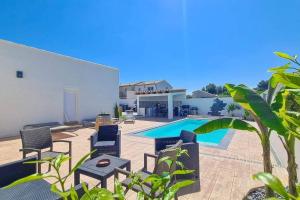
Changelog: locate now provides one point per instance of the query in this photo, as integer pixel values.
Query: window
(150, 88)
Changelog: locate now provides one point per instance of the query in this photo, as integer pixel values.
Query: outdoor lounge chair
(129, 117)
(38, 139)
(106, 141)
(191, 162)
(34, 190)
(159, 168)
(88, 122)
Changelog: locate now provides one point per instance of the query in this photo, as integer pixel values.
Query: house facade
(38, 86)
(126, 90)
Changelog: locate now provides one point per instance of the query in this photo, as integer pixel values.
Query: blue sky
(190, 43)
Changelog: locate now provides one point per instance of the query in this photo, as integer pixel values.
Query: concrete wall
(204, 104)
(39, 96)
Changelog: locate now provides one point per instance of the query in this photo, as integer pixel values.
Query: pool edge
(224, 143)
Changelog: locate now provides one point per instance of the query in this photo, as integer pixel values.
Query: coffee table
(90, 169)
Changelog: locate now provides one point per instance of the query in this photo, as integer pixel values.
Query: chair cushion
(104, 143)
(50, 154)
(107, 132)
(187, 136)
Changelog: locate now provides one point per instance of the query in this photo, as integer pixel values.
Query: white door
(70, 106)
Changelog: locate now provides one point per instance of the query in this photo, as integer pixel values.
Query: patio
(225, 174)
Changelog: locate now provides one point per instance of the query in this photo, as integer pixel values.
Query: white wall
(38, 97)
(280, 152)
(204, 104)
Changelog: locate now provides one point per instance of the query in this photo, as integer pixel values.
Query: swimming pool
(174, 129)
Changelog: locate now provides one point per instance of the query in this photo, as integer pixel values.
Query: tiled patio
(225, 174)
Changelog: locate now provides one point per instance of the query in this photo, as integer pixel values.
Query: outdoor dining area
(105, 161)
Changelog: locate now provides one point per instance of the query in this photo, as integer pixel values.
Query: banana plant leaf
(225, 123)
(257, 106)
(290, 80)
(285, 101)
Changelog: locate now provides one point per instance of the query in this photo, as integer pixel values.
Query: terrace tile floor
(225, 174)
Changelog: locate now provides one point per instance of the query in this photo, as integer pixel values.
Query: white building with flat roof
(38, 86)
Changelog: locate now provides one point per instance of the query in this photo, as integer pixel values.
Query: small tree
(217, 106)
(117, 111)
(211, 88)
(219, 89)
(231, 108)
(262, 85)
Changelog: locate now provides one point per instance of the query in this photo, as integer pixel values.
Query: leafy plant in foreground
(158, 183)
(260, 111)
(59, 180)
(285, 82)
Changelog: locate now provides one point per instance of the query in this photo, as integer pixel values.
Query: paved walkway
(225, 174)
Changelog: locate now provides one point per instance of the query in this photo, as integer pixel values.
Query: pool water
(174, 129)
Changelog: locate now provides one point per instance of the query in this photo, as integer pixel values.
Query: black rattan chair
(13, 171)
(34, 190)
(106, 141)
(190, 162)
(159, 168)
(38, 139)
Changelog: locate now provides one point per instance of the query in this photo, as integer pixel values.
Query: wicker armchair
(38, 139)
(190, 162)
(13, 171)
(159, 169)
(34, 190)
(106, 141)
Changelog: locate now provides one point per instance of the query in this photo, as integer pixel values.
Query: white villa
(38, 86)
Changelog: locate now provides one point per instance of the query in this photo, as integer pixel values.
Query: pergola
(170, 96)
